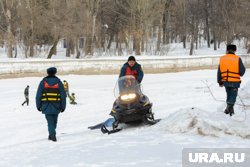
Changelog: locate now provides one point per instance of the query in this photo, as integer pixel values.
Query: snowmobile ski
(152, 122)
(108, 123)
(105, 130)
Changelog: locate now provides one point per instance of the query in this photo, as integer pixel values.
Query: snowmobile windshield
(127, 85)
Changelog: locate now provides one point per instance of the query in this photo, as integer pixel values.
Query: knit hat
(131, 58)
(231, 47)
(51, 71)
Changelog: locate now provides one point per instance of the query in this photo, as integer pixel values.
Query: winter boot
(52, 137)
(231, 110)
(227, 110)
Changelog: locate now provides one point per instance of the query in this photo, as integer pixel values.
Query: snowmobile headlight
(131, 95)
(128, 97)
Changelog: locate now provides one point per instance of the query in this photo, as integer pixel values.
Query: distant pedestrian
(66, 87)
(26, 95)
(229, 72)
(51, 100)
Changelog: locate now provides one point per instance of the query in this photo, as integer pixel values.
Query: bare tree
(8, 9)
(110, 25)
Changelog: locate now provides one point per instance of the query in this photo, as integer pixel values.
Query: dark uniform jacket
(46, 105)
(136, 71)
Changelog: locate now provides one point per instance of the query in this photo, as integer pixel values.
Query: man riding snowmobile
(131, 104)
(131, 67)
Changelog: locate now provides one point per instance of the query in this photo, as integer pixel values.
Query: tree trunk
(53, 49)
(215, 37)
(9, 35)
(207, 23)
(196, 35)
(184, 25)
(72, 46)
(192, 37)
(165, 22)
(110, 40)
(26, 51)
(191, 46)
(116, 41)
(245, 43)
(137, 41)
(88, 45)
(164, 28)
(9, 47)
(31, 41)
(158, 40)
(143, 41)
(31, 49)
(15, 50)
(78, 53)
(137, 46)
(184, 41)
(215, 42)
(67, 47)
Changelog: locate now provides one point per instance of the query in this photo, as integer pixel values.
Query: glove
(62, 110)
(221, 84)
(39, 109)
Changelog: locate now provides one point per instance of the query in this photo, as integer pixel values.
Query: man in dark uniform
(51, 100)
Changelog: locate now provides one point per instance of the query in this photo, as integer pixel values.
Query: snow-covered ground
(191, 118)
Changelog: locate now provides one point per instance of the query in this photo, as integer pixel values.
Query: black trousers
(26, 101)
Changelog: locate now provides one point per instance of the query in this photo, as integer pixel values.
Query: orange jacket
(65, 85)
(229, 68)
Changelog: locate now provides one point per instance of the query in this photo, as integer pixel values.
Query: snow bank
(244, 94)
(110, 66)
(210, 120)
(201, 122)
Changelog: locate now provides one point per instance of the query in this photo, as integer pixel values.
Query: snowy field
(191, 118)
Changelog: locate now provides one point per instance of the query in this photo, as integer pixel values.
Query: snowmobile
(130, 106)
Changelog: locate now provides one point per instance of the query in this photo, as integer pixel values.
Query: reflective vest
(229, 68)
(131, 72)
(50, 93)
(65, 85)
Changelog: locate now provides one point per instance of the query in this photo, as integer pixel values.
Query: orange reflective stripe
(229, 67)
